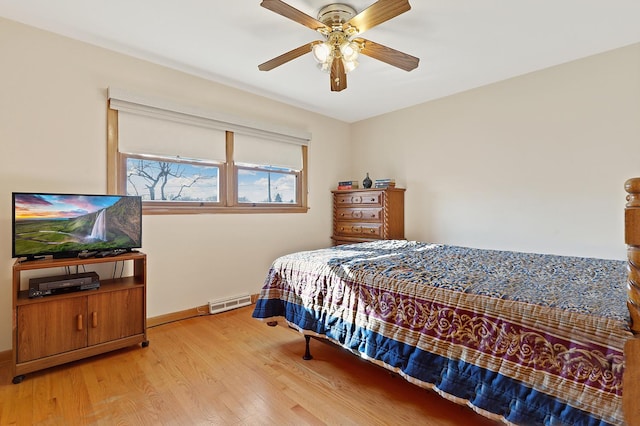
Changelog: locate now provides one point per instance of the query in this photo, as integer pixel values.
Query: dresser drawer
(373, 198)
(366, 230)
(346, 213)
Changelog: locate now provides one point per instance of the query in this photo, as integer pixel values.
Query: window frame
(228, 181)
(122, 184)
(265, 169)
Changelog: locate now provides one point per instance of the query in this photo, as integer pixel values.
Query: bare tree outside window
(166, 180)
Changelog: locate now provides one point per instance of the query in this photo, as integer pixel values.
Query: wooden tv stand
(60, 328)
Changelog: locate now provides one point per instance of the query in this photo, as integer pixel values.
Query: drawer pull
(94, 319)
(79, 322)
(373, 200)
(372, 231)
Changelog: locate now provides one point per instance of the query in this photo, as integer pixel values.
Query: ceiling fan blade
(388, 55)
(286, 57)
(377, 13)
(338, 76)
(292, 13)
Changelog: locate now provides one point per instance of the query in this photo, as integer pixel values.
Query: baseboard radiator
(221, 305)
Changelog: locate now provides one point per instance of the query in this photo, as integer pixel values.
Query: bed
(525, 338)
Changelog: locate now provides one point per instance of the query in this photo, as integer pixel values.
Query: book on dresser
(372, 214)
(384, 183)
(348, 184)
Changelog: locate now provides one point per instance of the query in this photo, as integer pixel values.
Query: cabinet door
(51, 327)
(116, 314)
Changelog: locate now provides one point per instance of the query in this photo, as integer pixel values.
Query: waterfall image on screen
(71, 223)
(99, 230)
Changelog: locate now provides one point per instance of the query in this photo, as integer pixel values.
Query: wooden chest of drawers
(367, 215)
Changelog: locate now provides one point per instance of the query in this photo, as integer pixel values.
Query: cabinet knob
(94, 319)
(79, 322)
(373, 200)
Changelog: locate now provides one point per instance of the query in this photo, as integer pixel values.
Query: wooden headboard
(631, 379)
(632, 239)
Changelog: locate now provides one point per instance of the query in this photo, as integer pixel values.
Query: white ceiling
(461, 44)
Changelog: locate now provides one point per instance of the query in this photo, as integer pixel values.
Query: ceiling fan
(340, 26)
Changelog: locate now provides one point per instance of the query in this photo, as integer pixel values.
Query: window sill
(158, 210)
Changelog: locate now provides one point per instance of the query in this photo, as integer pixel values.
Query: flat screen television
(65, 225)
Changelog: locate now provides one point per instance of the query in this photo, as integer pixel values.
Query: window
(172, 179)
(267, 185)
(182, 160)
(267, 172)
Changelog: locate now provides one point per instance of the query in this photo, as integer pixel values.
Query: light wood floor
(225, 369)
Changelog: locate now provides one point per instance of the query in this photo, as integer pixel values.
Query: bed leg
(307, 353)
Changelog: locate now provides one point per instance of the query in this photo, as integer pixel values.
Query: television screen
(64, 225)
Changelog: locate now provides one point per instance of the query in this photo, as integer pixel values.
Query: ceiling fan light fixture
(321, 52)
(340, 26)
(325, 66)
(349, 65)
(350, 50)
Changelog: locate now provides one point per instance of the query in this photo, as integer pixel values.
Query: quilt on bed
(530, 339)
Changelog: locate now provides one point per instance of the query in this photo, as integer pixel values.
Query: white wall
(53, 138)
(534, 163)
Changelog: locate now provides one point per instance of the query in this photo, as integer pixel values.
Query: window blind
(125, 101)
(267, 152)
(143, 134)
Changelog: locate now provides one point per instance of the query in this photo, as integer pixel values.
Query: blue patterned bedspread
(530, 339)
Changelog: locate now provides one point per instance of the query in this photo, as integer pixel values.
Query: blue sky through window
(254, 185)
(184, 181)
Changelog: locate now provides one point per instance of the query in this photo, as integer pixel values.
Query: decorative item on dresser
(367, 215)
(366, 183)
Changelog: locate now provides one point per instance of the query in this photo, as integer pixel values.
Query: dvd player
(45, 286)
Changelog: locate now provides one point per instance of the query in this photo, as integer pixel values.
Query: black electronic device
(87, 254)
(66, 225)
(46, 286)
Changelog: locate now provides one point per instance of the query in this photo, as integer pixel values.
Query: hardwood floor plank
(19, 406)
(224, 369)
